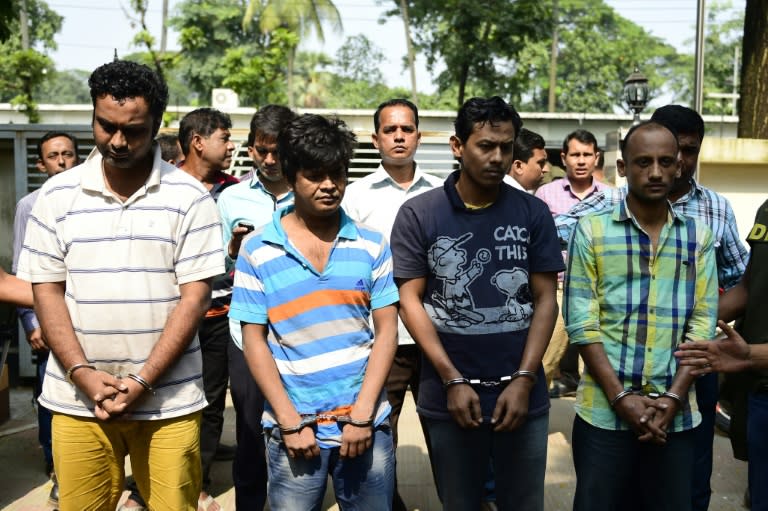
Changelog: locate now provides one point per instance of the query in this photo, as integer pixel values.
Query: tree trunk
(753, 106)
(164, 29)
(24, 25)
(289, 80)
(411, 53)
(552, 95)
(463, 77)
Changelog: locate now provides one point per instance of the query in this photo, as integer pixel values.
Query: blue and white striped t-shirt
(319, 330)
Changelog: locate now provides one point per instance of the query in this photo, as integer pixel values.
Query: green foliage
(179, 92)
(301, 16)
(8, 12)
(22, 72)
(260, 78)
(65, 87)
(724, 33)
(597, 50)
(359, 59)
(478, 41)
(207, 30)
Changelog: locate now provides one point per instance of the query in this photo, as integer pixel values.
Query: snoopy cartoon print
(514, 284)
(448, 260)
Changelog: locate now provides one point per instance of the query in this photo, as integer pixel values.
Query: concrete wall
(738, 169)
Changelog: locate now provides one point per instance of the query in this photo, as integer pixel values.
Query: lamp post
(636, 93)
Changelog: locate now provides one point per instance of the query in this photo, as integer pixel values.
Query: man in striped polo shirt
(121, 254)
(306, 285)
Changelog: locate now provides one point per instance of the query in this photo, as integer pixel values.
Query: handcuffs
(500, 382)
(310, 419)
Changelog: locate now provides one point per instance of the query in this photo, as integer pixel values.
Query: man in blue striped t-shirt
(306, 285)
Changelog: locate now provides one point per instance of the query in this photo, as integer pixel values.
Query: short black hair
(169, 146)
(123, 79)
(484, 110)
(268, 121)
(314, 142)
(526, 142)
(56, 134)
(203, 122)
(681, 119)
(644, 125)
(583, 136)
(394, 102)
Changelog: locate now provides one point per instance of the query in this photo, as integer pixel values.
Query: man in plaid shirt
(640, 279)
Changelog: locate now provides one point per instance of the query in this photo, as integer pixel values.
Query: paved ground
(24, 486)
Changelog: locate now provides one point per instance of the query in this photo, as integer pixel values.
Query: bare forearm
(542, 322)
(15, 290)
(423, 332)
(733, 302)
(380, 360)
(758, 354)
(180, 329)
(264, 371)
(56, 324)
(682, 381)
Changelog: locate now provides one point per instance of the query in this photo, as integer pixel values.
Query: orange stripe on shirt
(318, 299)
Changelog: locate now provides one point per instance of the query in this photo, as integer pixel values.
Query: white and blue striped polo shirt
(319, 331)
(123, 263)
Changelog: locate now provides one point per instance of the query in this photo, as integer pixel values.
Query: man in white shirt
(121, 254)
(530, 163)
(375, 200)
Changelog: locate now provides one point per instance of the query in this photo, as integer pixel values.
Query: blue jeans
(616, 472)
(707, 390)
(757, 445)
(363, 483)
(461, 458)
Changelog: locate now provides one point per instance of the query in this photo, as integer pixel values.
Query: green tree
(8, 12)
(597, 49)
(179, 91)
(724, 27)
(359, 58)
(260, 78)
(65, 87)
(207, 30)
(22, 71)
(753, 106)
(478, 42)
(315, 83)
(158, 59)
(299, 16)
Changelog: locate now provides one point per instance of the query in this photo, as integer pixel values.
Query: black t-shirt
(754, 328)
(477, 263)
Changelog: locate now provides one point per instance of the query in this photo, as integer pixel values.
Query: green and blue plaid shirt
(638, 304)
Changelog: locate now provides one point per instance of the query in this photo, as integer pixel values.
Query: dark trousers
(249, 469)
(405, 372)
(616, 472)
(704, 435)
(43, 414)
(214, 342)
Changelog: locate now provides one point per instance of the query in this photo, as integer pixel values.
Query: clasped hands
(112, 396)
(649, 418)
(511, 409)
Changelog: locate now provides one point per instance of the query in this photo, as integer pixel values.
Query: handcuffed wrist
(455, 381)
(618, 397)
(71, 371)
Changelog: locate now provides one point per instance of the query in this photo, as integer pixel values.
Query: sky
(92, 29)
